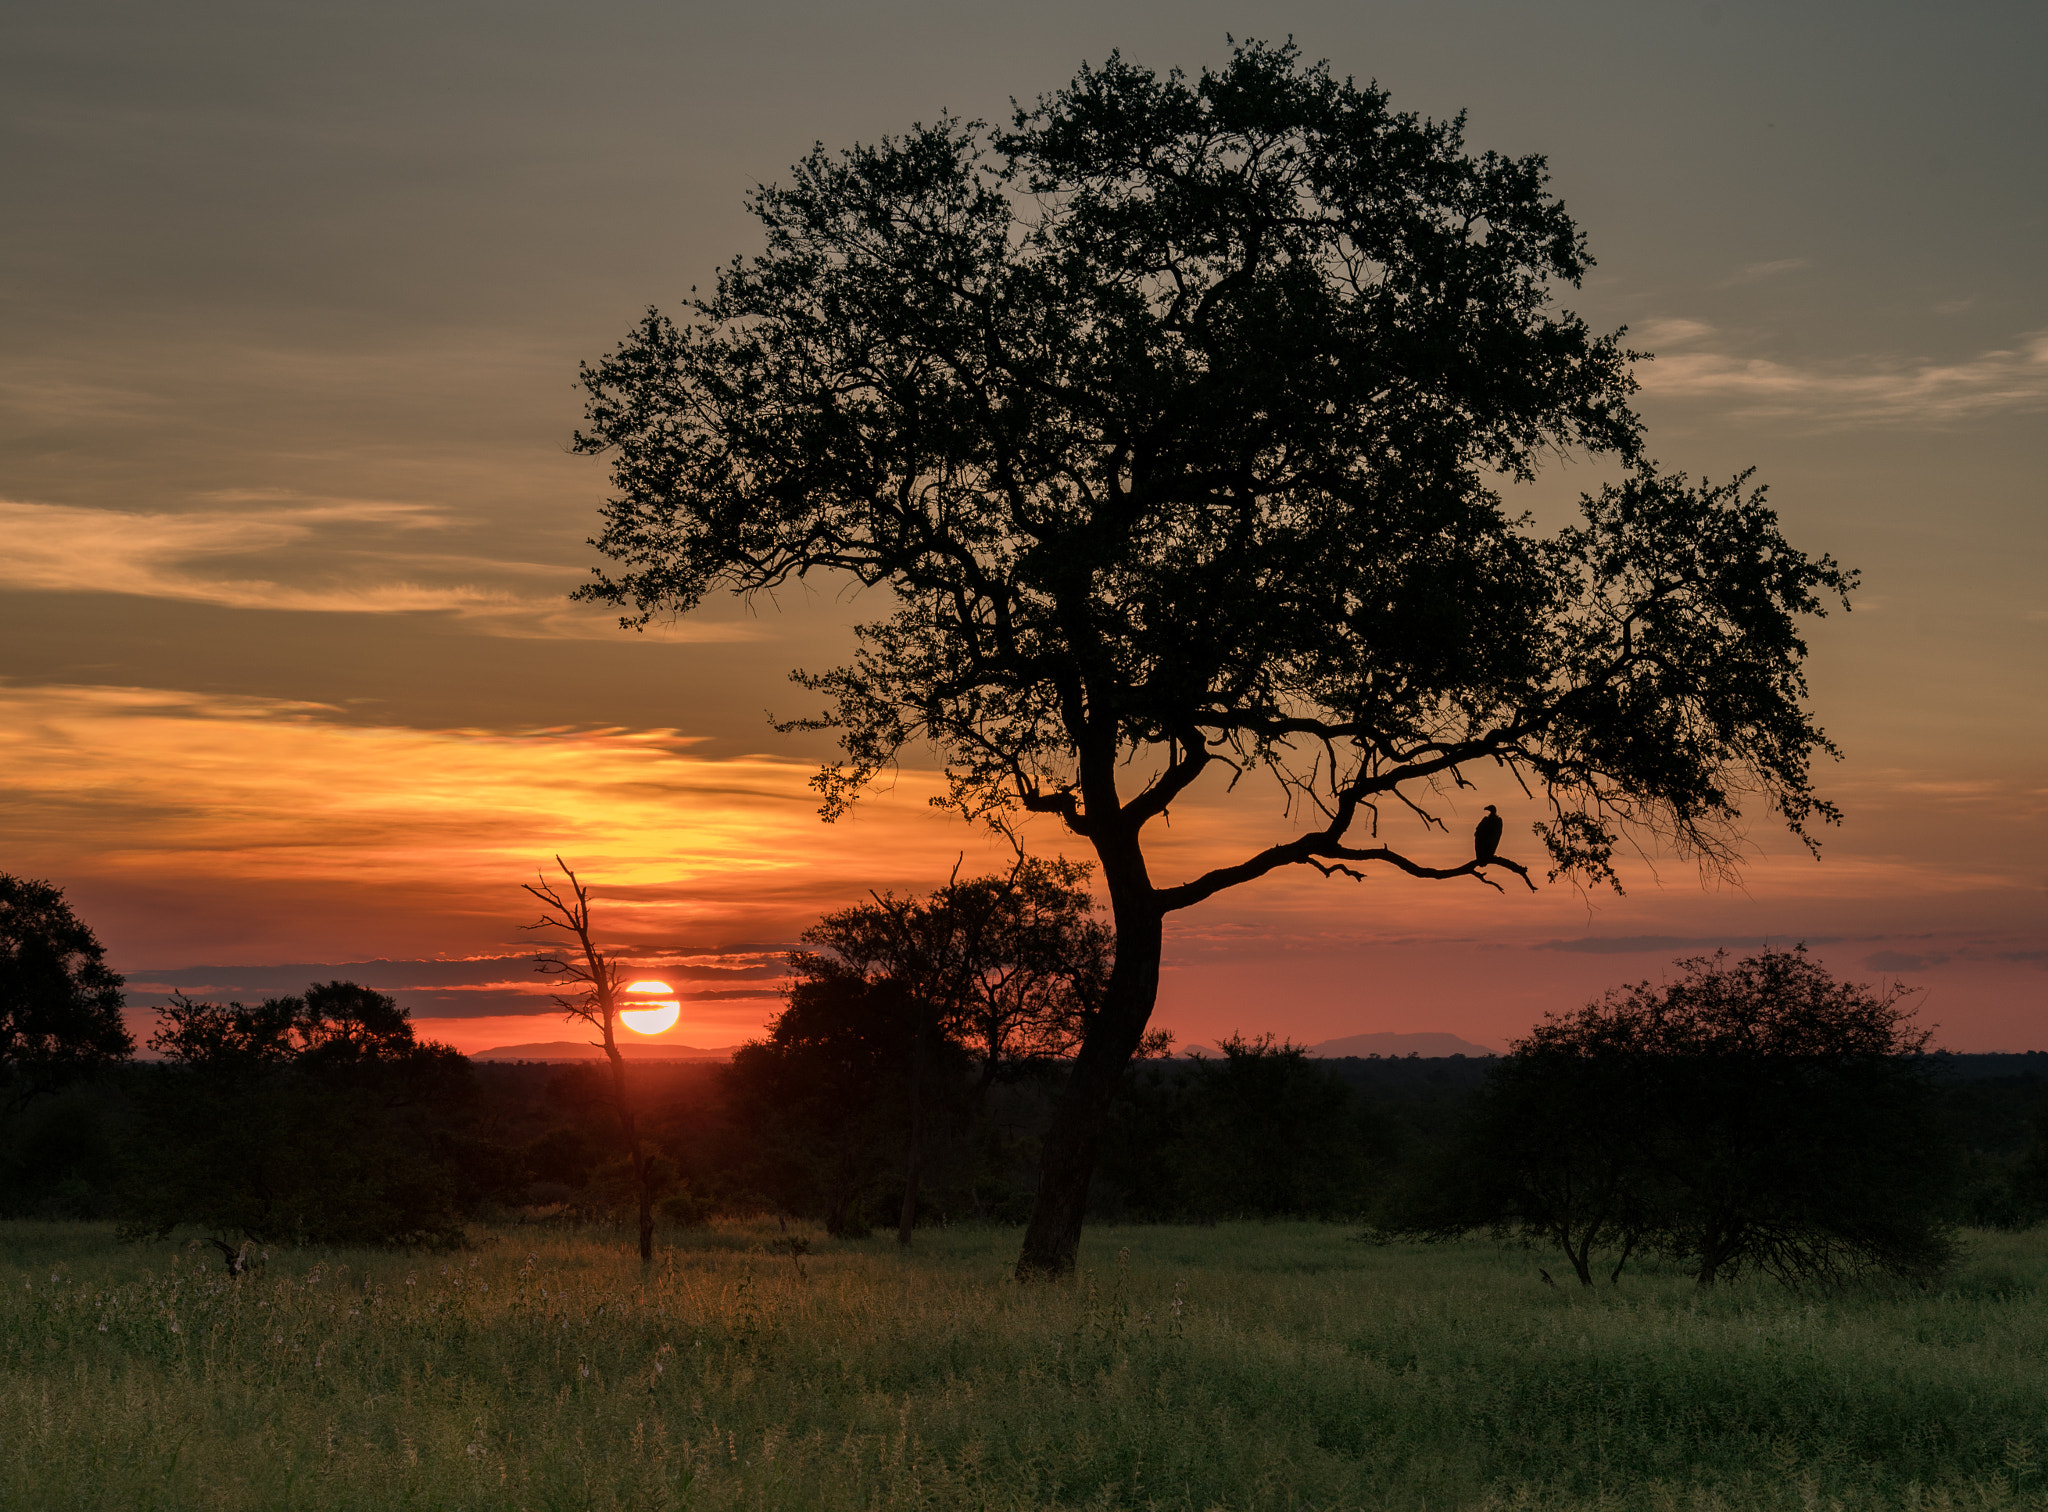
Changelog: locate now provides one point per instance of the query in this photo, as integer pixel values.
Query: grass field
(1245, 1366)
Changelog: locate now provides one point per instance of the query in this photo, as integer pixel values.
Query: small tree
(1755, 1114)
(1172, 420)
(998, 968)
(60, 1004)
(824, 1098)
(301, 1119)
(601, 980)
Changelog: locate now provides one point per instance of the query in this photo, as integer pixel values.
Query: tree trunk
(913, 1159)
(1713, 1255)
(1628, 1248)
(1067, 1164)
(1582, 1258)
(637, 1158)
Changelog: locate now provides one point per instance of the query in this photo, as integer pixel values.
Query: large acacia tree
(1173, 421)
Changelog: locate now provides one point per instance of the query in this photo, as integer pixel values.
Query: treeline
(1261, 1131)
(1745, 1115)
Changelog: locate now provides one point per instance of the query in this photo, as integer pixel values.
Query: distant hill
(574, 1050)
(1388, 1045)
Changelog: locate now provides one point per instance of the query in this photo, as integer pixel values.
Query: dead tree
(596, 1004)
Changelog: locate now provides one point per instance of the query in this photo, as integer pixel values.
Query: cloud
(266, 830)
(474, 986)
(1758, 271)
(329, 556)
(1873, 390)
(1904, 960)
(1646, 944)
(59, 547)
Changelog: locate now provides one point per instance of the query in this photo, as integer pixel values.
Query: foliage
(61, 1157)
(1261, 1131)
(825, 1097)
(1171, 417)
(900, 1018)
(60, 1004)
(1748, 1114)
(2027, 1193)
(314, 1119)
(1117, 400)
(1007, 968)
(1257, 1367)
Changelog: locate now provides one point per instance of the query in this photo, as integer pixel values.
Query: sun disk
(652, 1009)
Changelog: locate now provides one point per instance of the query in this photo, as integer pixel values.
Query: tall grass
(1246, 1366)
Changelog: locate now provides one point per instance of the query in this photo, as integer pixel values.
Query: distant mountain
(1398, 1044)
(573, 1050)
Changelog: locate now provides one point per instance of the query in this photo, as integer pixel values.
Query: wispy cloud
(1652, 944)
(335, 556)
(1757, 272)
(1692, 363)
(257, 829)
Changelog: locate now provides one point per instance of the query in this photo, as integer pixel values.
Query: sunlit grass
(1246, 1366)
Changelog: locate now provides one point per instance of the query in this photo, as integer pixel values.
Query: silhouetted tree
(991, 970)
(597, 1004)
(1552, 1149)
(824, 1098)
(1755, 1114)
(301, 1119)
(60, 1004)
(1171, 418)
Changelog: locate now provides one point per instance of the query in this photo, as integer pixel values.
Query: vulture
(1486, 838)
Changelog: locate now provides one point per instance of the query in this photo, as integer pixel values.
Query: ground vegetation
(1258, 1367)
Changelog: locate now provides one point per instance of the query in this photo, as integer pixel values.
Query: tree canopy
(1174, 418)
(906, 1009)
(314, 1118)
(60, 1003)
(1008, 967)
(1753, 1114)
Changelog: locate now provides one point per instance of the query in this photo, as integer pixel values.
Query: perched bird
(1486, 838)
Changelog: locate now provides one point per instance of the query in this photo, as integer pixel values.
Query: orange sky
(288, 677)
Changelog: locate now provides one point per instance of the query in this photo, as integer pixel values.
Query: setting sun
(655, 1010)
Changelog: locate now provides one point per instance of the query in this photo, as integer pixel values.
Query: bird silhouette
(1486, 838)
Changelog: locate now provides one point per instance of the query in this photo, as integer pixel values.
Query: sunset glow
(292, 687)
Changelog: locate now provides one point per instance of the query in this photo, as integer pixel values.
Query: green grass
(1246, 1366)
